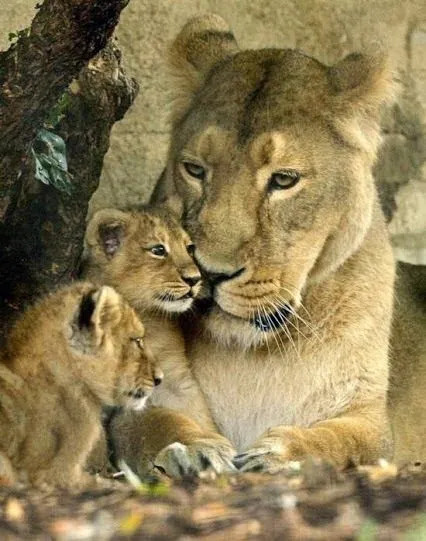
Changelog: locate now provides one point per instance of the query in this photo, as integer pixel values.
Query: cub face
(146, 256)
(108, 350)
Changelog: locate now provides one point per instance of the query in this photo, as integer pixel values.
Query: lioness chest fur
(309, 375)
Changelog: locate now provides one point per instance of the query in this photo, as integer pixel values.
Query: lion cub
(147, 256)
(73, 351)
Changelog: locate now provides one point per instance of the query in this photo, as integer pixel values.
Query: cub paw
(178, 460)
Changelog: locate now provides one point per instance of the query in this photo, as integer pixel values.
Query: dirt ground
(314, 503)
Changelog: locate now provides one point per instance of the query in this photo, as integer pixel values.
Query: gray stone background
(327, 29)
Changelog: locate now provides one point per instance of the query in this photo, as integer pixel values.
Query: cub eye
(138, 340)
(159, 250)
(283, 180)
(191, 249)
(195, 170)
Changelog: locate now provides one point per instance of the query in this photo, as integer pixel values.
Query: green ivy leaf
(57, 113)
(25, 32)
(49, 153)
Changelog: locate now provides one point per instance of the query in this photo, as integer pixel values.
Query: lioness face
(261, 215)
(272, 161)
(147, 257)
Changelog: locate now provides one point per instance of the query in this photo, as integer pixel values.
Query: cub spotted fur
(271, 158)
(75, 350)
(147, 257)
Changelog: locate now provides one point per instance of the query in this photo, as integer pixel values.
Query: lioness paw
(278, 450)
(264, 462)
(178, 460)
(267, 456)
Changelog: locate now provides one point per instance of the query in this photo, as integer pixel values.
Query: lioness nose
(192, 280)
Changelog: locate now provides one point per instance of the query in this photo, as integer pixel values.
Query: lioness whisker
(296, 327)
(261, 309)
(298, 331)
(307, 324)
(283, 326)
(256, 312)
(288, 289)
(310, 327)
(276, 336)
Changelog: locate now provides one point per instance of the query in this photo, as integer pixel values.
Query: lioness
(75, 350)
(147, 256)
(271, 158)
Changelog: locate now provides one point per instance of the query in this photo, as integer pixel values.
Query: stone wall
(326, 29)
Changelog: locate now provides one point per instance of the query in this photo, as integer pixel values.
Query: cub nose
(157, 377)
(192, 280)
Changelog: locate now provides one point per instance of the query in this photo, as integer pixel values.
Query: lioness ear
(107, 229)
(98, 309)
(203, 42)
(361, 84)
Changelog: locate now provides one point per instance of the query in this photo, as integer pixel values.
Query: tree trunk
(42, 227)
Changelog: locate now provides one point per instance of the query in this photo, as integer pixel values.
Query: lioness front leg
(172, 442)
(354, 438)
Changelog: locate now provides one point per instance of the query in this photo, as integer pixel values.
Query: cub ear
(203, 42)
(362, 84)
(85, 311)
(99, 309)
(107, 229)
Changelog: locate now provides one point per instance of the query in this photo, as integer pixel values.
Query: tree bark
(41, 228)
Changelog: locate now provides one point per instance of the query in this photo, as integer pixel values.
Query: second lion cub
(147, 257)
(74, 351)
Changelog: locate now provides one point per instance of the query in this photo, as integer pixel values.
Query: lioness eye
(191, 249)
(159, 250)
(283, 180)
(195, 170)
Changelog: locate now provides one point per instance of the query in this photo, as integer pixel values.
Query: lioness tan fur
(75, 350)
(146, 256)
(407, 390)
(271, 158)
